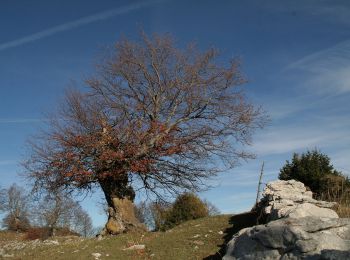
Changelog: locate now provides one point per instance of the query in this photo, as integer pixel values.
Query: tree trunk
(119, 196)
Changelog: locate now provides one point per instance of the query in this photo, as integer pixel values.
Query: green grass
(198, 239)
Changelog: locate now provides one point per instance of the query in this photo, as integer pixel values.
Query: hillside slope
(197, 239)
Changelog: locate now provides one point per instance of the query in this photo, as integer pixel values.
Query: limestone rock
(299, 227)
(291, 199)
(96, 255)
(290, 238)
(136, 247)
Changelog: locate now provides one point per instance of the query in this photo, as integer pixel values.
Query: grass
(197, 239)
(343, 211)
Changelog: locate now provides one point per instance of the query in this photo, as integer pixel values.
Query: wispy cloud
(328, 70)
(331, 11)
(75, 24)
(22, 120)
(8, 162)
(308, 133)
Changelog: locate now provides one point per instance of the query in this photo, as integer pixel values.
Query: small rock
(135, 247)
(220, 233)
(198, 242)
(96, 255)
(7, 256)
(51, 242)
(195, 236)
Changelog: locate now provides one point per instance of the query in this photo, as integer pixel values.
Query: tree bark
(119, 196)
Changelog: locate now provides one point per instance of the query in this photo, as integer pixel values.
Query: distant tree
(186, 207)
(312, 168)
(153, 117)
(212, 209)
(141, 211)
(19, 224)
(157, 214)
(57, 210)
(2, 199)
(82, 222)
(15, 206)
(152, 214)
(160, 215)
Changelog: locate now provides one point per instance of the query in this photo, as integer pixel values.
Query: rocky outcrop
(298, 227)
(291, 199)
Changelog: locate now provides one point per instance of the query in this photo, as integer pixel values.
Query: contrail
(22, 120)
(74, 24)
(8, 162)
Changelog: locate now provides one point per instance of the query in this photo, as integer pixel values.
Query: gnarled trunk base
(121, 209)
(121, 217)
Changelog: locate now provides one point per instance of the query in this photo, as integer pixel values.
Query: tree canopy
(16, 208)
(186, 207)
(153, 117)
(312, 168)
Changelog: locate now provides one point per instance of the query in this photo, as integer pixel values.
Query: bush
(186, 207)
(316, 172)
(311, 168)
(44, 233)
(161, 215)
(18, 224)
(38, 233)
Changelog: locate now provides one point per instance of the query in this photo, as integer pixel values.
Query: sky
(295, 55)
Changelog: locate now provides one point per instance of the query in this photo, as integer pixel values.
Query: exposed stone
(291, 199)
(96, 255)
(291, 238)
(136, 247)
(51, 242)
(299, 228)
(198, 242)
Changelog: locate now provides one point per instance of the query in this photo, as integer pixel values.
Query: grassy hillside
(197, 239)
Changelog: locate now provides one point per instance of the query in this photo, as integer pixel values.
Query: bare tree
(212, 209)
(58, 210)
(2, 199)
(15, 205)
(154, 117)
(158, 212)
(82, 222)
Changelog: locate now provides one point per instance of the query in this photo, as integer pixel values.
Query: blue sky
(296, 56)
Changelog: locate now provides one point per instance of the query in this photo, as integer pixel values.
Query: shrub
(186, 207)
(37, 233)
(212, 209)
(160, 211)
(64, 231)
(18, 224)
(44, 233)
(311, 168)
(316, 172)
